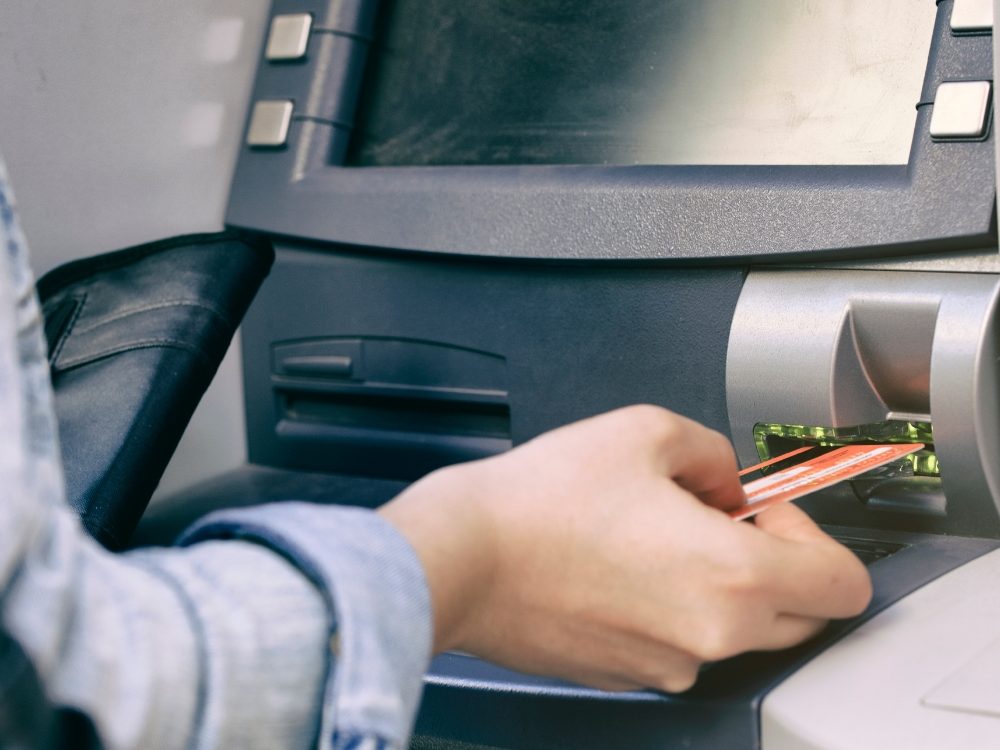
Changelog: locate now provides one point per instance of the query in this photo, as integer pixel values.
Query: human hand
(598, 552)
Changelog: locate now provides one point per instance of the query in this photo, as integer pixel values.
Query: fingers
(698, 459)
(603, 562)
(610, 683)
(788, 521)
(809, 573)
(662, 668)
(710, 471)
(789, 630)
(611, 658)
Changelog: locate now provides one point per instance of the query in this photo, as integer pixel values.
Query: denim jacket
(280, 626)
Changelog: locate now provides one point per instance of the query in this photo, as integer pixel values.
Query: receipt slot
(835, 357)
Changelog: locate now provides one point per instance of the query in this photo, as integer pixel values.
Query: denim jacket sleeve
(280, 626)
(380, 637)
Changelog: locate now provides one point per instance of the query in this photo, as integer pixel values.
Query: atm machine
(493, 218)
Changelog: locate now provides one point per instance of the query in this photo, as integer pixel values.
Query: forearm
(224, 645)
(218, 645)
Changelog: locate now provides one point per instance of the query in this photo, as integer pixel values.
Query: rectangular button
(289, 36)
(960, 109)
(972, 15)
(269, 123)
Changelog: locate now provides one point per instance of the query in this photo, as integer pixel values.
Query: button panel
(269, 123)
(288, 37)
(972, 15)
(960, 109)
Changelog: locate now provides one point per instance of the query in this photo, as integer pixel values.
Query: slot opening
(869, 550)
(911, 484)
(399, 413)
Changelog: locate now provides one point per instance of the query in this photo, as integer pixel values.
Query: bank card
(775, 460)
(815, 474)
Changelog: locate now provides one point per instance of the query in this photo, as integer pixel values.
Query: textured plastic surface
(944, 198)
(542, 344)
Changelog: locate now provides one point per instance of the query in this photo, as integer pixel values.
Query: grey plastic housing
(921, 675)
(943, 199)
(844, 348)
(391, 366)
(345, 325)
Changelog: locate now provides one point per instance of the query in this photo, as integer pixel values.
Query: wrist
(443, 519)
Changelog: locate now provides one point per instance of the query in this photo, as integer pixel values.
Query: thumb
(787, 521)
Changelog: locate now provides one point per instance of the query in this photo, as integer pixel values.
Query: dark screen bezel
(942, 199)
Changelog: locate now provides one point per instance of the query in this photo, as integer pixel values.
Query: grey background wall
(119, 122)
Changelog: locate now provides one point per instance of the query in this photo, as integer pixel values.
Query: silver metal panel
(960, 109)
(996, 77)
(972, 15)
(866, 691)
(985, 260)
(288, 37)
(844, 348)
(269, 123)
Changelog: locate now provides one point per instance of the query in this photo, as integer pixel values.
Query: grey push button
(289, 36)
(269, 123)
(960, 109)
(972, 15)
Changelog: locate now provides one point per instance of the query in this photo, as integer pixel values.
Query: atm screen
(620, 82)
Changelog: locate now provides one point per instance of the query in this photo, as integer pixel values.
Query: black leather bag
(135, 337)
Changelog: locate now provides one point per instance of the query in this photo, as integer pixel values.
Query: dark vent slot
(400, 414)
(869, 550)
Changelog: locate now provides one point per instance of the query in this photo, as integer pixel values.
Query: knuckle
(709, 646)
(857, 586)
(716, 640)
(740, 573)
(679, 679)
(646, 413)
(723, 447)
(654, 420)
(865, 592)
